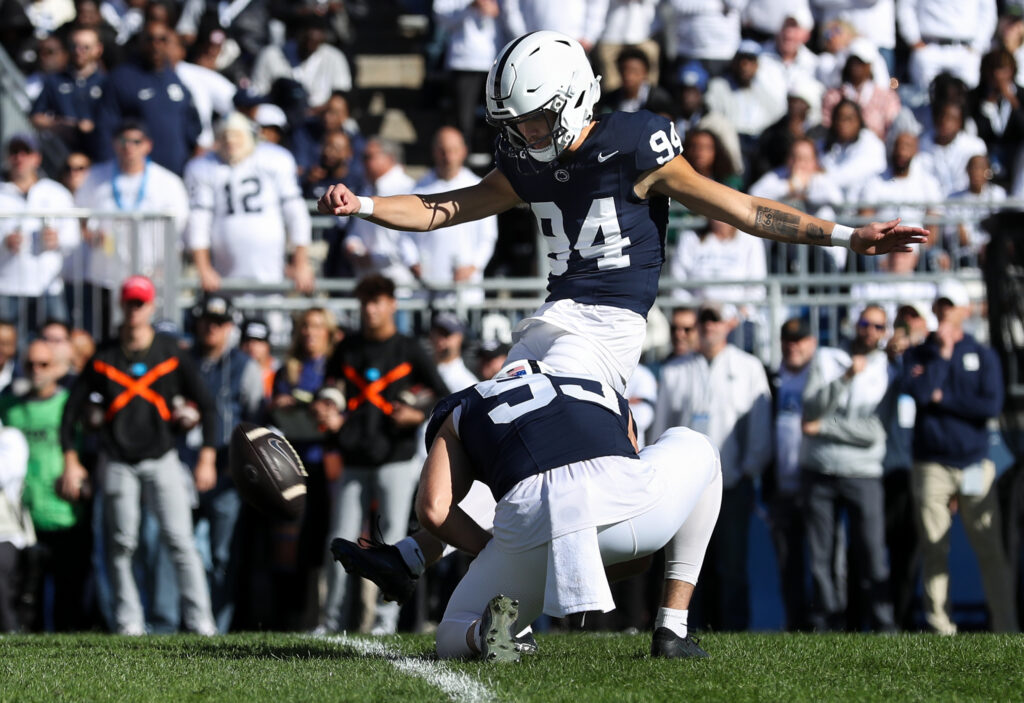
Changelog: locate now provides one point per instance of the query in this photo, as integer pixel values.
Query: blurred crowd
(231, 117)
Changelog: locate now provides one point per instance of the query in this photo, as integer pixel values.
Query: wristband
(841, 236)
(366, 207)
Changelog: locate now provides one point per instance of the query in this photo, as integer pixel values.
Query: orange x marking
(140, 387)
(371, 391)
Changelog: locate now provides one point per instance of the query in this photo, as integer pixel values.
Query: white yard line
(457, 686)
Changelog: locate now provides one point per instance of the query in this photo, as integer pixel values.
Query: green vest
(39, 421)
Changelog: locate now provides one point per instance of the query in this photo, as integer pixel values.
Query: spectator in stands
(957, 385)
(750, 96)
(947, 147)
(735, 421)
(9, 367)
(852, 152)
(876, 22)
(76, 168)
(491, 358)
(704, 149)
(375, 249)
(61, 527)
(636, 91)
(789, 48)
(378, 437)
(69, 103)
(684, 331)
(236, 384)
(998, 114)
(762, 20)
(473, 37)
(140, 456)
(52, 61)
(212, 93)
(336, 164)
(841, 457)
(246, 210)
(147, 89)
(57, 334)
(298, 551)
(239, 31)
(83, 346)
(802, 120)
(802, 183)
(909, 329)
(706, 31)
(879, 105)
(904, 182)
(690, 83)
(130, 182)
(454, 256)
(14, 531)
(838, 35)
(446, 337)
(629, 23)
(33, 248)
(307, 58)
(782, 488)
(255, 341)
(903, 263)
(583, 20)
(272, 123)
(946, 36)
(966, 238)
(335, 117)
(721, 252)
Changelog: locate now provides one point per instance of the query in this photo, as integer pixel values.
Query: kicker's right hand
(338, 200)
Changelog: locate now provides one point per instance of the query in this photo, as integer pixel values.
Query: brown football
(267, 471)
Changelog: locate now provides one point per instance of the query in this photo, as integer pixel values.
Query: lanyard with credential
(138, 196)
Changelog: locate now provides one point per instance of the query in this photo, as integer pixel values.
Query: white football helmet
(542, 71)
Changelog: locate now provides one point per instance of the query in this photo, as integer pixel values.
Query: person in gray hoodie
(841, 458)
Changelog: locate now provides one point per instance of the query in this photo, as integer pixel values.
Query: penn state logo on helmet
(541, 75)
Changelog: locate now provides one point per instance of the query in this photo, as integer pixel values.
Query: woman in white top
(852, 153)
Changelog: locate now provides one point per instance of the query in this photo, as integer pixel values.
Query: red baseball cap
(138, 288)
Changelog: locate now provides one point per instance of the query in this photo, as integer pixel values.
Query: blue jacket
(953, 431)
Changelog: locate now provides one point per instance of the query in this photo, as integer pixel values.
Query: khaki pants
(934, 485)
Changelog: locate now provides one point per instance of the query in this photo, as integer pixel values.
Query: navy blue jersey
(64, 95)
(512, 428)
(605, 245)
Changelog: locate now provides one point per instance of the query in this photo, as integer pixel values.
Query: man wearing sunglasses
(841, 457)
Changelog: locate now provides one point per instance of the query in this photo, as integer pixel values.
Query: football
(267, 471)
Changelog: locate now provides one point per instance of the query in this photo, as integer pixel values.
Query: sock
(412, 555)
(674, 620)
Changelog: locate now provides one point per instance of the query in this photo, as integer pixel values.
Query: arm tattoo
(778, 222)
(816, 235)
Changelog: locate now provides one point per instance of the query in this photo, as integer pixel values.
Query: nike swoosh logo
(601, 158)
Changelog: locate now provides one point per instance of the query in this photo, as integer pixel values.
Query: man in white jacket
(722, 391)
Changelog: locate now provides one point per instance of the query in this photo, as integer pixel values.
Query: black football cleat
(497, 630)
(378, 562)
(525, 643)
(668, 645)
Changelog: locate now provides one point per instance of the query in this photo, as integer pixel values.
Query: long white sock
(412, 555)
(674, 620)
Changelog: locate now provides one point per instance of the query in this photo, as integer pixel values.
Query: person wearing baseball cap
(32, 249)
(138, 374)
(957, 386)
(447, 334)
(255, 341)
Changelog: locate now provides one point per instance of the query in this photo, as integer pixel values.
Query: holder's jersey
(239, 212)
(605, 245)
(513, 428)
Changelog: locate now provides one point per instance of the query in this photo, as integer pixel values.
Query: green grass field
(582, 668)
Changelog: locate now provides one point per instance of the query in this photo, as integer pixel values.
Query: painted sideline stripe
(457, 686)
